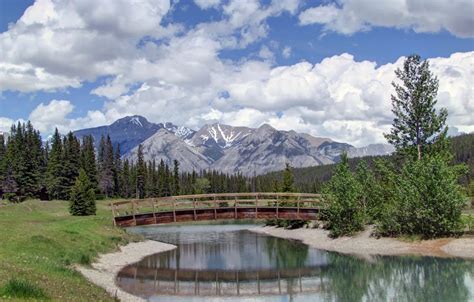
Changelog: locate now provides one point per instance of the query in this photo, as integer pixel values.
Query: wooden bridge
(215, 206)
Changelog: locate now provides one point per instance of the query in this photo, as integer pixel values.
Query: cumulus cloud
(351, 16)
(57, 44)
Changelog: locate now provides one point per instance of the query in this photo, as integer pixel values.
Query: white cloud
(350, 16)
(206, 4)
(5, 124)
(286, 52)
(46, 117)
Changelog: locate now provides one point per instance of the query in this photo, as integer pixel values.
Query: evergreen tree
(55, 178)
(106, 166)
(417, 125)
(176, 178)
(117, 171)
(141, 173)
(88, 160)
(126, 190)
(72, 161)
(288, 180)
(82, 200)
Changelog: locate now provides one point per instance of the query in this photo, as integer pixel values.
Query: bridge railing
(214, 201)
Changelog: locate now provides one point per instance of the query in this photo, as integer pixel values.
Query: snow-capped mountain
(226, 148)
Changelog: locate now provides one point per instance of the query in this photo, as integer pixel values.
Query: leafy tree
(201, 185)
(82, 200)
(417, 124)
(342, 195)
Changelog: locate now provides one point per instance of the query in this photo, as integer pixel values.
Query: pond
(230, 263)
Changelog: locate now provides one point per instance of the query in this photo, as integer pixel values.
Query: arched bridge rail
(215, 206)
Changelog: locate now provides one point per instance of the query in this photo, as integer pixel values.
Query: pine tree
(176, 180)
(141, 173)
(126, 190)
(417, 125)
(106, 166)
(117, 171)
(82, 200)
(55, 179)
(72, 163)
(88, 160)
(288, 180)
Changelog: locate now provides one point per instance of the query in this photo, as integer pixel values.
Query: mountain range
(226, 148)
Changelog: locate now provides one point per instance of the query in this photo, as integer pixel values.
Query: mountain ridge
(229, 149)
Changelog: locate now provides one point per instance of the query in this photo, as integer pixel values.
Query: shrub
(428, 200)
(342, 196)
(22, 289)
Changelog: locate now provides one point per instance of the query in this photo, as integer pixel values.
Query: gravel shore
(364, 244)
(104, 271)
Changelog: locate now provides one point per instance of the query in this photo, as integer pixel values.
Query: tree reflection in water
(241, 264)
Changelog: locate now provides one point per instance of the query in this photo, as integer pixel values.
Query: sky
(319, 67)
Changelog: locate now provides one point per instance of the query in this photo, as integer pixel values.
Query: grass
(40, 243)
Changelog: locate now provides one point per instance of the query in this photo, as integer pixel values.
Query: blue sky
(305, 65)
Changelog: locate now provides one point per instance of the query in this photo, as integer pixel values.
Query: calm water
(229, 263)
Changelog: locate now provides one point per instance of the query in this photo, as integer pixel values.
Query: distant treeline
(30, 168)
(311, 179)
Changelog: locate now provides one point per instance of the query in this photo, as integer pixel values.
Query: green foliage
(201, 185)
(82, 202)
(55, 176)
(342, 197)
(288, 180)
(417, 126)
(22, 289)
(289, 224)
(428, 199)
(141, 173)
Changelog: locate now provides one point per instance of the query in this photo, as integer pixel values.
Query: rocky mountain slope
(226, 148)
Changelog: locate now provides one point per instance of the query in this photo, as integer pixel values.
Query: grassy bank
(39, 243)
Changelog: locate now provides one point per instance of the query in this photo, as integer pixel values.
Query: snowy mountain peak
(135, 120)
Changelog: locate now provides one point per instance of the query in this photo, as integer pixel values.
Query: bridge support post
(133, 211)
(174, 210)
(256, 206)
(215, 208)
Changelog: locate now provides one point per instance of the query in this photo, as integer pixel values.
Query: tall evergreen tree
(106, 166)
(417, 124)
(141, 173)
(288, 180)
(55, 178)
(176, 178)
(72, 160)
(117, 170)
(88, 160)
(126, 190)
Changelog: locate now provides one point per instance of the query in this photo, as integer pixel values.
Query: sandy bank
(105, 269)
(364, 244)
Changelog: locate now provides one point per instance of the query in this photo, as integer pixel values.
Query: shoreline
(106, 267)
(364, 245)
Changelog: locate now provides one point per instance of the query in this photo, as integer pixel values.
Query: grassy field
(39, 243)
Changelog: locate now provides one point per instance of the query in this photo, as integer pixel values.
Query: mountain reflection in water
(230, 263)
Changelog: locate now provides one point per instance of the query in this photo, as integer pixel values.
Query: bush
(342, 196)
(22, 289)
(428, 200)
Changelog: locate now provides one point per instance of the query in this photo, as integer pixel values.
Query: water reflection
(231, 263)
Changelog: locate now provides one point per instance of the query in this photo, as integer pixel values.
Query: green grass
(39, 244)
(20, 288)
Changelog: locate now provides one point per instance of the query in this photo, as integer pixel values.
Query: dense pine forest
(31, 168)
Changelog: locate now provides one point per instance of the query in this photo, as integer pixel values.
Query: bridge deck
(215, 206)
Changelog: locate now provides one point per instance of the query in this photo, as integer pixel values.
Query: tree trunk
(419, 151)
